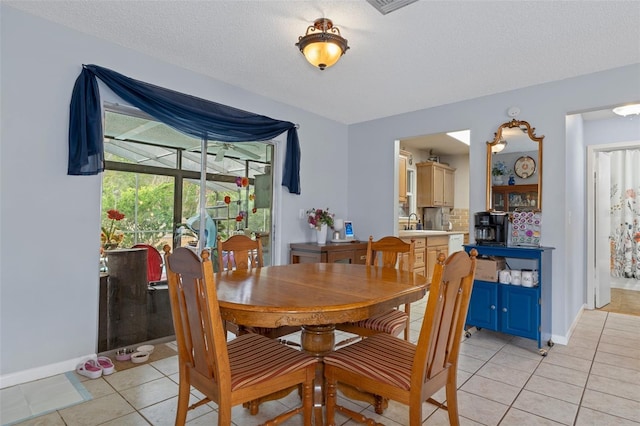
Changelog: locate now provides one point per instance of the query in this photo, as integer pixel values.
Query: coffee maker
(491, 228)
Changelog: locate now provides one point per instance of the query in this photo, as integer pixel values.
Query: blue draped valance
(191, 115)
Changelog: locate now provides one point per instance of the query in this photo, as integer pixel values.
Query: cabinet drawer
(419, 259)
(341, 256)
(420, 243)
(419, 271)
(360, 257)
(438, 240)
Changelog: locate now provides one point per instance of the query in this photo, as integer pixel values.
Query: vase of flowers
(498, 171)
(320, 220)
(111, 236)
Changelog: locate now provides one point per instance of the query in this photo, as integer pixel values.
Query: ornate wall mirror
(514, 168)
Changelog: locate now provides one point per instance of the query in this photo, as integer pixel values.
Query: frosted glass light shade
(322, 54)
(627, 110)
(322, 45)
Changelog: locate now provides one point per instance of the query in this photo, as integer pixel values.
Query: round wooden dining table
(315, 296)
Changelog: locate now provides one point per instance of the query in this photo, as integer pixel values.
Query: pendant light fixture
(627, 110)
(322, 45)
(502, 144)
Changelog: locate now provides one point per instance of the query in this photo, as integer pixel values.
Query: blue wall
(49, 222)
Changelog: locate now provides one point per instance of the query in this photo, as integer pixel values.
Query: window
(152, 176)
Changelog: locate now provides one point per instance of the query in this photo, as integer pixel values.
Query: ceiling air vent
(387, 6)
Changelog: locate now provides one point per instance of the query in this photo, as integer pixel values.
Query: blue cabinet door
(520, 311)
(483, 306)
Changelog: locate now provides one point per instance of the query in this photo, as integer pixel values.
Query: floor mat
(32, 399)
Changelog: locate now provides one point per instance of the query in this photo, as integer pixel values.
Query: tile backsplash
(459, 219)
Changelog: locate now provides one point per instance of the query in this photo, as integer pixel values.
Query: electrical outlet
(301, 214)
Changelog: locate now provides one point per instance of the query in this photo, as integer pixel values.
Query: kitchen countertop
(427, 233)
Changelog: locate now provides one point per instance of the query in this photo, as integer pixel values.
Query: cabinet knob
(493, 307)
(504, 309)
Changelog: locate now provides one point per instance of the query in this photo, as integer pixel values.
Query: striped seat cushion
(254, 358)
(381, 357)
(391, 322)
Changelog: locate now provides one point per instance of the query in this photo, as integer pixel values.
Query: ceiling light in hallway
(627, 110)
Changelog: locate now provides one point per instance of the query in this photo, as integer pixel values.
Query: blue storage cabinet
(516, 310)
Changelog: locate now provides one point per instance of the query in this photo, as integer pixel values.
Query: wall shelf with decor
(508, 198)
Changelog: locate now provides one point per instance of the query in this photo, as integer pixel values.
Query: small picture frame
(348, 230)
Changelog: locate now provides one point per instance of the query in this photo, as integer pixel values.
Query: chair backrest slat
(200, 334)
(447, 305)
(240, 252)
(391, 252)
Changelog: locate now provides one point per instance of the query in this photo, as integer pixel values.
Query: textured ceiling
(426, 54)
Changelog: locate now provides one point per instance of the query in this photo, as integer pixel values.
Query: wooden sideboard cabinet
(352, 252)
(508, 198)
(436, 184)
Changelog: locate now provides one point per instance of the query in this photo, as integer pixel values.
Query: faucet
(408, 226)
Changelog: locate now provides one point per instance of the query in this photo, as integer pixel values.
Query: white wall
(575, 223)
(50, 222)
(614, 130)
(545, 108)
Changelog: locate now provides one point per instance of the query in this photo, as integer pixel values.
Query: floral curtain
(624, 239)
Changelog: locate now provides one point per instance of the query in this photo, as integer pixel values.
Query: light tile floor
(594, 380)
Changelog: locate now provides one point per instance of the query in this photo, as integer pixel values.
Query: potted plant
(320, 220)
(498, 171)
(111, 237)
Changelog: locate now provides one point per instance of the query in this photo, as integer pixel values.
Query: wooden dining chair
(240, 252)
(392, 368)
(388, 252)
(227, 373)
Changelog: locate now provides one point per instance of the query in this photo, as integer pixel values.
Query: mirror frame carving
(498, 135)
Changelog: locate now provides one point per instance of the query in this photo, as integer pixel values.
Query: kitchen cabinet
(402, 176)
(508, 198)
(419, 254)
(516, 310)
(434, 246)
(352, 252)
(436, 185)
(426, 251)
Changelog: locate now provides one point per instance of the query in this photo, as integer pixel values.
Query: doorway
(613, 201)
(154, 184)
(449, 148)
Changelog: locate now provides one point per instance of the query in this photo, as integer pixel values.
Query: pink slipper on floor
(106, 365)
(89, 369)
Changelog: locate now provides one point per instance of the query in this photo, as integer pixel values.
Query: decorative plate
(525, 167)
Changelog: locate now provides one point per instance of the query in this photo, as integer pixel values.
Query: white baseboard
(17, 378)
(563, 340)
